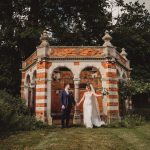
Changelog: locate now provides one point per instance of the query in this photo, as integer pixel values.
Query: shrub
(15, 115)
(132, 120)
(128, 121)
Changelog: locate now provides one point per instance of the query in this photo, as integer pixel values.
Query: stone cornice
(50, 59)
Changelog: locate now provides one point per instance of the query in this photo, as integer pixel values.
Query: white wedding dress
(91, 114)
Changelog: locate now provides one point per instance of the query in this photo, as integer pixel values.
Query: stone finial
(123, 53)
(107, 38)
(44, 39)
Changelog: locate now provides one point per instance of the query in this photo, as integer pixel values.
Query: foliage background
(73, 22)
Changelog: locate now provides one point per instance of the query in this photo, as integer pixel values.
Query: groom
(67, 101)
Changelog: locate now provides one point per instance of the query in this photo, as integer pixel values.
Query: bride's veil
(95, 104)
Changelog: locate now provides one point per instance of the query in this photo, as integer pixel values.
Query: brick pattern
(108, 65)
(41, 90)
(112, 87)
(30, 59)
(86, 76)
(77, 63)
(66, 52)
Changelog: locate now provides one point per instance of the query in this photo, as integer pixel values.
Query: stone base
(41, 118)
(112, 118)
(77, 118)
(49, 120)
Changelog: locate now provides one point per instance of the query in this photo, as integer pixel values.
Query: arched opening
(33, 86)
(124, 76)
(91, 75)
(60, 76)
(118, 74)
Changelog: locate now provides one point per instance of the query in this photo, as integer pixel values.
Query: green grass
(79, 138)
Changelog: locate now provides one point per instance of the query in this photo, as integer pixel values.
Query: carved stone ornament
(44, 39)
(107, 38)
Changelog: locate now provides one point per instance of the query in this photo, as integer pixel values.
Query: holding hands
(63, 107)
(78, 104)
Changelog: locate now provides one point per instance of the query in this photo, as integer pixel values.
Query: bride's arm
(82, 99)
(96, 95)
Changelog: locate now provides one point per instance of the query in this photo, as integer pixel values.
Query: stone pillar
(22, 85)
(77, 116)
(41, 92)
(111, 101)
(49, 118)
(41, 88)
(104, 100)
(110, 83)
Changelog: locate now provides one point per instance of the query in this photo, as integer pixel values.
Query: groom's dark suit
(67, 100)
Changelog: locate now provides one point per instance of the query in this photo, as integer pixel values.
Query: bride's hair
(88, 86)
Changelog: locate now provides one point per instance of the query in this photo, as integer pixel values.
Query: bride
(91, 114)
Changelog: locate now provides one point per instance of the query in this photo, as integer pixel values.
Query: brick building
(49, 67)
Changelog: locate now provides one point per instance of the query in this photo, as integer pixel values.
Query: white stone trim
(41, 94)
(114, 100)
(111, 70)
(112, 107)
(113, 92)
(41, 86)
(41, 79)
(23, 80)
(40, 108)
(41, 70)
(41, 101)
(106, 85)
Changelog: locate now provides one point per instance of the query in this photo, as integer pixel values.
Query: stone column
(77, 116)
(104, 100)
(41, 86)
(111, 101)
(41, 92)
(49, 91)
(22, 85)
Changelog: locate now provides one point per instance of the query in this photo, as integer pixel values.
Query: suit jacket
(66, 99)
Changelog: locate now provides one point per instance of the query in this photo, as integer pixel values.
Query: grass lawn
(80, 138)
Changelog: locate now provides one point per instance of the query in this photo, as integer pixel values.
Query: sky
(147, 3)
(116, 10)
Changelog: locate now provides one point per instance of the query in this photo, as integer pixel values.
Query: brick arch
(54, 67)
(94, 78)
(58, 80)
(100, 69)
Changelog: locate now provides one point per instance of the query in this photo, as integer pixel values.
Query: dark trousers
(65, 116)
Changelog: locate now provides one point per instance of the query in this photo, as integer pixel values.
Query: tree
(73, 22)
(9, 55)
(70, 22)
(132, 32)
